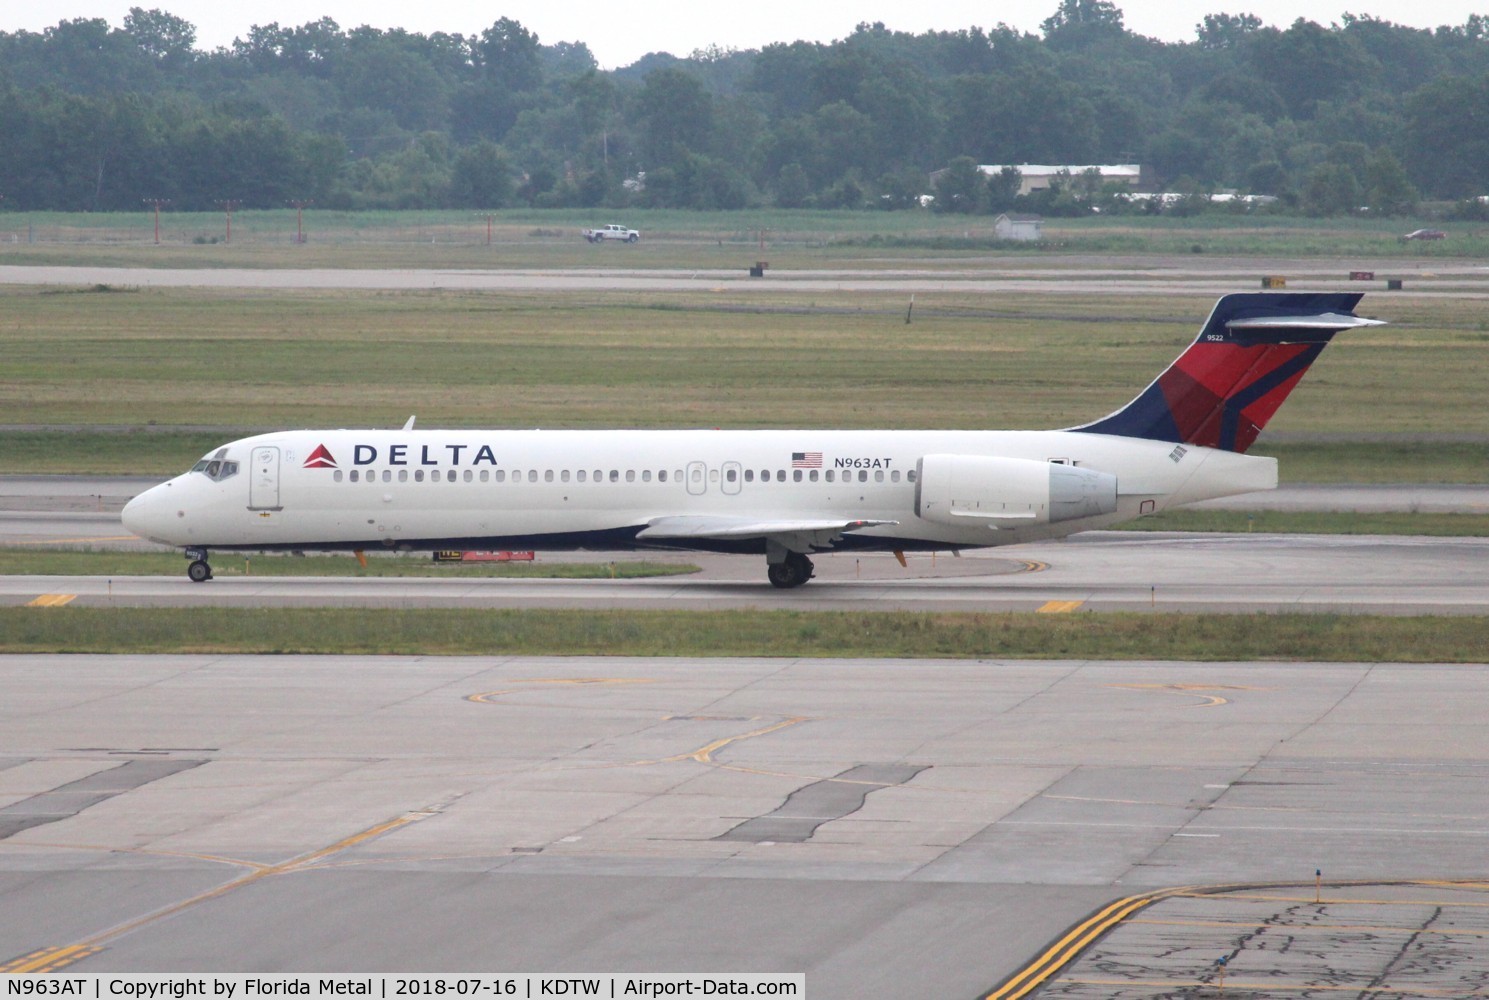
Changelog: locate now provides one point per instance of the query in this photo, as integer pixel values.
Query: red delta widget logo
(321, 458)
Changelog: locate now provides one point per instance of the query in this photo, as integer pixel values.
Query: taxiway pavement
(1093, 571)
(1072, 274)
(890, 828)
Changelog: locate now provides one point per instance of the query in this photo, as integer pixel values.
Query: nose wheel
(199, 571)
(793, 571)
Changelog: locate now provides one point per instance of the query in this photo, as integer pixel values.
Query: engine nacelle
(1009, 492)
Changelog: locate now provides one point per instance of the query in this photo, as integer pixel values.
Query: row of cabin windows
(731, 475)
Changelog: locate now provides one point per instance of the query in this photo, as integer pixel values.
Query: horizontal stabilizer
(1323, 321)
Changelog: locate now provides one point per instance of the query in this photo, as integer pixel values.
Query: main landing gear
(793, 571)
(199, 571)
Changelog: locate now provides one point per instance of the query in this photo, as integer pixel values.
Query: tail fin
(1224, 388)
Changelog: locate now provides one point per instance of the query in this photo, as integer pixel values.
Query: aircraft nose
(152, 514)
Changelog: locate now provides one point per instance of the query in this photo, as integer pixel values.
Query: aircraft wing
(797, 534)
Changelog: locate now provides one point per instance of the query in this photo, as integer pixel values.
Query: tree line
(1363, 114)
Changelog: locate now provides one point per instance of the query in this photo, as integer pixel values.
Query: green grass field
(146, 381)
(435, 631)
(670, 238)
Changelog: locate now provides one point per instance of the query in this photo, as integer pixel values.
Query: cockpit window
(216, 469)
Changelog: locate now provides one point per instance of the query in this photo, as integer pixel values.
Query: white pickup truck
(611, 232)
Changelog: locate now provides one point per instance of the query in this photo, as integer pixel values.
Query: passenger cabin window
(434, 476)
(582, 475)
(812, 475)
(749, 475)
(662, 476)
(796, 475)
(532, 475)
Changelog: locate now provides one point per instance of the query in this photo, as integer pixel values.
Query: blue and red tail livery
(1250, 354)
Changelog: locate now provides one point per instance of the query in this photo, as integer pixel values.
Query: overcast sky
(619, 32)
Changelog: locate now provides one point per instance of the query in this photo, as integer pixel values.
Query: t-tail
(1224, 388)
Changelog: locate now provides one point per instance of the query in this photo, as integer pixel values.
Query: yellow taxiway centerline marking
(1268, 987)
(1060, 954)
(1198, 690)
(1058, 607)
(704, 755)
(51, 959)
(47, 959)
(51, 600)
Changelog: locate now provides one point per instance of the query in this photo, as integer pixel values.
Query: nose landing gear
(199, 571)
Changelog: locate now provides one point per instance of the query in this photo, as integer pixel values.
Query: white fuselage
(421, 489)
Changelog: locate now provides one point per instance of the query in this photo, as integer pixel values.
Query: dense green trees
(1361, 115)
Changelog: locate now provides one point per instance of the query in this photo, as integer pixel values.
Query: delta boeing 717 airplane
(783, 494)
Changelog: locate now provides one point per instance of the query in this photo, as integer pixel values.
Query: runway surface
(1074, 274)
(889, 828)
(1098, 571)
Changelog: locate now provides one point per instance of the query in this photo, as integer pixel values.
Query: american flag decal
(806, 460)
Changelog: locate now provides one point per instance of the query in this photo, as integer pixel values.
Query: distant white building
(1013, 226)
(1039, 176)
